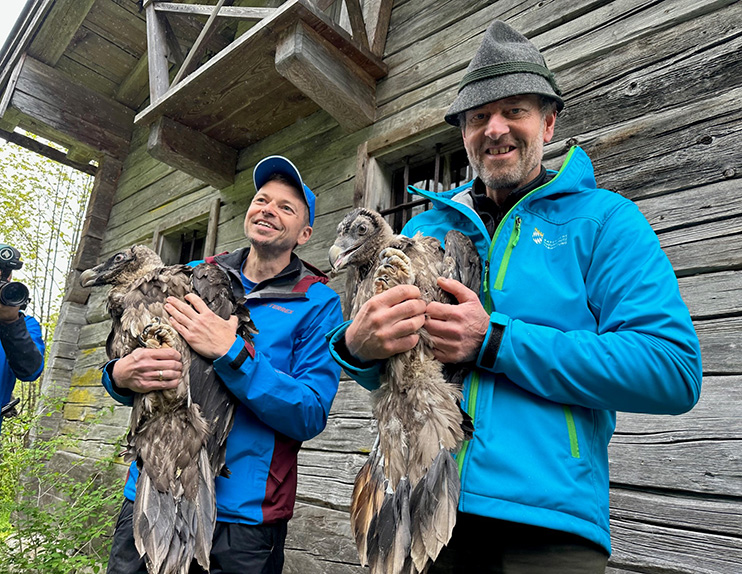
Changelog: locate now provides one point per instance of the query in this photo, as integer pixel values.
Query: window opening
(445, 169)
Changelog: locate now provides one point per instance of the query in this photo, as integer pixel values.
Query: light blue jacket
(590, 321)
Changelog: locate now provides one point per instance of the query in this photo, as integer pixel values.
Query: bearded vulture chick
(405, 496)
(177, 436)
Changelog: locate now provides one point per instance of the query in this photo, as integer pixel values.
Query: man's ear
(549, 124)
(304, 236)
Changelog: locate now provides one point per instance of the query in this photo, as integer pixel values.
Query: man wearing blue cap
(285, 383)
(579, 316)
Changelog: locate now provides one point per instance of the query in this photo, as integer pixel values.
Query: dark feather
(178, 436)
(417, 406)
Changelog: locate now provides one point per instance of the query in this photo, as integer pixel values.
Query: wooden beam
(326, 76)
(157, 54)
(377, 15)
(130, 90)
(358, 27)
(192, 152)
(239, 12)
(58, 30)
(10, 88)
(51, 98)
(323, 5)
(47, 151)
(197, 50)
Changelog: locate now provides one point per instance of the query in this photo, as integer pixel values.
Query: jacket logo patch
(539, 239)
(281, 309)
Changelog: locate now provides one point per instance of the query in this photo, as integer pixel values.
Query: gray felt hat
(506, 64)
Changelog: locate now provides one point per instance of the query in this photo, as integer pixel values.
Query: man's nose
(497, 126)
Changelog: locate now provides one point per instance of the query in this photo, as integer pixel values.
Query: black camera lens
(13, 294)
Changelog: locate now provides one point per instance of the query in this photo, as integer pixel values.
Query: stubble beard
(512, 177)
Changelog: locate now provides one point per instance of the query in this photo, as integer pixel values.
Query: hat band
(505, 68)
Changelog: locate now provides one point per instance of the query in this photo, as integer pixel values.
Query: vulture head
(360, 237)
(122, 268)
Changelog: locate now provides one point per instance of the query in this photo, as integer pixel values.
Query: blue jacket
(285, 390)
(586, 319)
(21, 354)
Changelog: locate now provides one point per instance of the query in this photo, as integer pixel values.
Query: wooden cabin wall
(652, 94)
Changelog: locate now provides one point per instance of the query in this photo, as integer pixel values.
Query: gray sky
(9, 10)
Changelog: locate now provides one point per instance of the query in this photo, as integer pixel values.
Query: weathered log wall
(652, 92)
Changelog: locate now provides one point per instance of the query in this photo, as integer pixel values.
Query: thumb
(460, 291)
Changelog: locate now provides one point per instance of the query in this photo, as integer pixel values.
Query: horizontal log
(192, 152)
(653, 549)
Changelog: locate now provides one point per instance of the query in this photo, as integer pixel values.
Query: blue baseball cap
(278, 164)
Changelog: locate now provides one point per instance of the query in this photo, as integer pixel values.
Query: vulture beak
(336, 262)
(88, 277)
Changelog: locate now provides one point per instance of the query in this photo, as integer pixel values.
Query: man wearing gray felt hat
(579, 316)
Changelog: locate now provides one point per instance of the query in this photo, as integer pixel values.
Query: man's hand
(386, 324)
(457, 331)
(8, 314)
(145, 370)
(207, 333)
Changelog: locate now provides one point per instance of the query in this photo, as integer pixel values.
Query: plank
(712, 295)
(377, 15)
(658, 550)
(319, 542)
(47, 95)
(712, 250)
(719, 342)
(192, 152)
(249, 13)
(199, 46)
(335, 83)
(58, 29)
(677, 510)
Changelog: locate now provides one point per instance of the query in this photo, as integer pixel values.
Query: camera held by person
(12, 293)
(21, 341)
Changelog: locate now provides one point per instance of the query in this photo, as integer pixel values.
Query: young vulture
(405, 496)
(178, 436)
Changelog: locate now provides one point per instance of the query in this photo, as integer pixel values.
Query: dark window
(184, 244)
(440, 169)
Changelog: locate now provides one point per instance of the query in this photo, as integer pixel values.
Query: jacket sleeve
(644, 355)
(123, 396)
(24, 347)
(365, 374)
(296, 404)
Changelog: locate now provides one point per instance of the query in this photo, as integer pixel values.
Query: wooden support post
(157, 54)
(377, 14)
(196, 51)
(192, 152)
(327, 76)
(355, 15)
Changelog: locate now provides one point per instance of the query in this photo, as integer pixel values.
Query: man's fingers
(460, 291)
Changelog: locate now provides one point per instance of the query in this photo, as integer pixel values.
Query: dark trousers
(487, 546)
(236, 548)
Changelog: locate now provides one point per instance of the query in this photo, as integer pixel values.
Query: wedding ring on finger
(160, 378)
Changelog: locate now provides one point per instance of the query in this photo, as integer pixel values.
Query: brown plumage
(405, 496)
(178, 436)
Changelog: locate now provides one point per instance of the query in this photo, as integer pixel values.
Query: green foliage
(42, 207)
(56, 511)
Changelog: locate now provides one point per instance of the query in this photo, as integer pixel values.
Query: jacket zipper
(474, 384)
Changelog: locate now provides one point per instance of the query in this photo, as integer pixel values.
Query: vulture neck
(259, 267)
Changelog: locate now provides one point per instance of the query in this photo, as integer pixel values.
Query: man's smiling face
(504, 141)
(277, 218)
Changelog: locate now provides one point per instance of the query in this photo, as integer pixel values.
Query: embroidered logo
(539, 239)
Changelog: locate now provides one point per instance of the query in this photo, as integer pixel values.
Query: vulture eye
(119, 258)
(362, 229)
